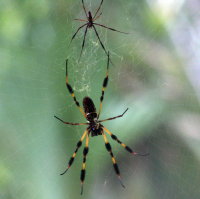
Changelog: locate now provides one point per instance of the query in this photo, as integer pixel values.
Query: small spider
(94, 128)
(90, 24)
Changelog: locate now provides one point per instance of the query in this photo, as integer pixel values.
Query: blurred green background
(156, 74)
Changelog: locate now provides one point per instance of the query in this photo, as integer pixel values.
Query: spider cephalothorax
(90, 20)
(94, 128)
(90, 23)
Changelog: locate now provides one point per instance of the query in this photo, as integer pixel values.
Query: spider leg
(81, 20)
(77, 32)
(112, 118)
(70, 122)
(100, 40)
(94, 19)
(105, 83)
(84, 8)
(85, 152)
(71, 91)
(114, 137)
(109, 149)
(83, 44)
(98, 8)
(78, 145)
(110, 28)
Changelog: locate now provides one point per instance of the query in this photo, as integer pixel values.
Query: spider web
(154, 75)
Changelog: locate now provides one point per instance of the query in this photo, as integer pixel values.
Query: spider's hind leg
(98, 8)
(71, 91)
(114, 137)
(84, 8)
(116, 168)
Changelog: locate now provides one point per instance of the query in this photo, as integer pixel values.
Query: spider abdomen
(90, 109)
(88, 105)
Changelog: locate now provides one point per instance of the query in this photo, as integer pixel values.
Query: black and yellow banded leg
(109, 149)
(114, 137)
(105, 83)
(71, 91)
(83, 171)
(78, 145)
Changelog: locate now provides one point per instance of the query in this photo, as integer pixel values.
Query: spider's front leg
(71, 91)
(104, 86)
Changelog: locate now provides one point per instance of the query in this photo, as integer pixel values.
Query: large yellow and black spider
(94, 128)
